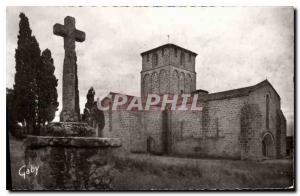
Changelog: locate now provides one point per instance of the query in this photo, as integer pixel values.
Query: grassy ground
(156, 172)
(144, 172)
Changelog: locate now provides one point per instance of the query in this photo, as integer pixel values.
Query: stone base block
(69, 163)
(76, 129)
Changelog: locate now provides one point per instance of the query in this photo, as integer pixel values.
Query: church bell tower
(168, 69)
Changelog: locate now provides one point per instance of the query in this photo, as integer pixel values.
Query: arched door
(268, 148)
(150, 145)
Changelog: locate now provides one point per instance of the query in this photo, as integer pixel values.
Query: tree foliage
(47, 93)
(10, 120)
(35, 85)
(92, 115)
(27, 58)
(88, 105)
(90, 97)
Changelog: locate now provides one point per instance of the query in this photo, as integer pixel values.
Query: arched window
(181, 82)
(188, 83)
(147, 84)
(163, 84)
(154, 59)
(182, 59)
(154, 83)
(267, 110)
(150, 145)
(175, 82)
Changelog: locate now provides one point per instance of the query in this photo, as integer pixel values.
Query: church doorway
(268, 146)
(150, 145)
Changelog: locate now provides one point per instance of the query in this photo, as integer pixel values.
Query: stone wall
(186, 132)
(212, 132)
(168, 80)
(152, 130)
(169, 55)
(189, 59)
(249, 138)
(259, 97)
(182, 81)
(281, 135)
(119, 124)
(134, 128)
(155, 81)
(232, 124)
(163, 59)
(231, 127)
(222, 126)
(70, 163)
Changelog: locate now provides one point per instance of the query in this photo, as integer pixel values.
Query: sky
(236, 46)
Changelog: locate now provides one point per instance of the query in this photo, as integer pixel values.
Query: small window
(267, 111)
(182, 59)
(147, 56)
(163, 52)
(175, 52)
(154, 59)
(190, 58)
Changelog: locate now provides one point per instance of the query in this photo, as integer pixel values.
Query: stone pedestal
(69, 163)
(75, 129)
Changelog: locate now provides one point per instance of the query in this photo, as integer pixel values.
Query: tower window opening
(182, 59)
(154, 59)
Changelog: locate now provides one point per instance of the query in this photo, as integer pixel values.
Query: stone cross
(70, 107)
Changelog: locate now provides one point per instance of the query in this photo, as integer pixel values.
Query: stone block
(70, 163)
(76, 129)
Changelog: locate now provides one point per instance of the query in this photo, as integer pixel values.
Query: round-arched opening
(268, 146)
(150, 145)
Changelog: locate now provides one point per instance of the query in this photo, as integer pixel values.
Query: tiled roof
(239, 92)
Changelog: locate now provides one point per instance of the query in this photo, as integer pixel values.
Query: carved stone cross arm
(68, 30)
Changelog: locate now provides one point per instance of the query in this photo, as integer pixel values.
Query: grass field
(155, 172)
(144, 172)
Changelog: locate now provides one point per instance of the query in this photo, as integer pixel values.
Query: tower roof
(169, 45)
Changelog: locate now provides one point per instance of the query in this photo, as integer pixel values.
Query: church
(245, 123)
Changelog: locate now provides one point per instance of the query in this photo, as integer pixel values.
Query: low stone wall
(69, 163)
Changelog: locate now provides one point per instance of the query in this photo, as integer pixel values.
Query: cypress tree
(88, 105)
(92, 113)
(90, 97)
(27, 59)
(10, 121)
(47, 92)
